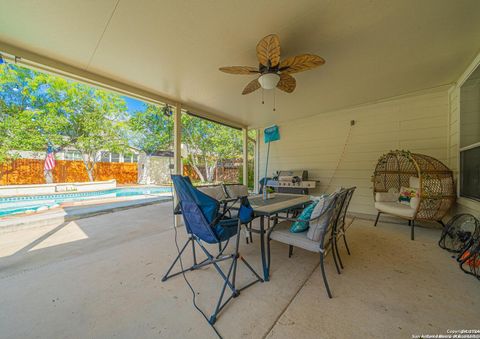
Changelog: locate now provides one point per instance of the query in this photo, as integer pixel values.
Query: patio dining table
(281, 202)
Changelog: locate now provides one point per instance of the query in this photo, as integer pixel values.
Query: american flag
(50, 159)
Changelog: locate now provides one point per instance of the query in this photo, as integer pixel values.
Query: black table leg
(262, 248)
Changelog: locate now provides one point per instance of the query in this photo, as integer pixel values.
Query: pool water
(22, 204)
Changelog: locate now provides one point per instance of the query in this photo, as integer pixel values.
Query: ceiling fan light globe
(269, 80)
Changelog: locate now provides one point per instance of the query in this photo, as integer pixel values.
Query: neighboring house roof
(163, 154)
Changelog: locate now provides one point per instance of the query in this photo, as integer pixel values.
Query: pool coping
(71, 213)
(47, 189)
(75, 192)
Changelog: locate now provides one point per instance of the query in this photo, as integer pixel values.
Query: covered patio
(100, 278)
(398, 77)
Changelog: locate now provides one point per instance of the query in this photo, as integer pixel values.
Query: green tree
(27, 122)
(38, 109)
(251, 143)
(151, 130)
(6, 122)
(208, 143)
(96, 121)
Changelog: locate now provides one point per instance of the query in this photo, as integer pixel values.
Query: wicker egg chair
(432, 179)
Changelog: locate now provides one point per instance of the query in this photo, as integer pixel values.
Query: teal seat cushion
(302, 226)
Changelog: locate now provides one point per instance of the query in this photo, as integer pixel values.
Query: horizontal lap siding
(418, 123)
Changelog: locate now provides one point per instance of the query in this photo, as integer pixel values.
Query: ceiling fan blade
(287, 83)
(300, 63)
(268, 50)
(239, 70)
(251, 87)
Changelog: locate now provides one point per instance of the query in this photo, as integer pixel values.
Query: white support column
(245, 156)
(177, 150)
(257, 162)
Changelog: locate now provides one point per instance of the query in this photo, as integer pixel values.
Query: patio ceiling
(374, 49)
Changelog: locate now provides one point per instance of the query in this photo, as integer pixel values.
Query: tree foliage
(27, 119)
(37, 109)
(151, 130)
(96, 121)
(209, 143)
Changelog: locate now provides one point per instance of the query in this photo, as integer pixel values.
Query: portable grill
(295, 182)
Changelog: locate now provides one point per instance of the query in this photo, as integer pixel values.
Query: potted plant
(270, 193)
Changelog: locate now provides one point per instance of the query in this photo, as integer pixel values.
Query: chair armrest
(302, 220)
(386, 197)
(272, 228)
(226, 209)
(177, 210)
(414, 203)
(229, 220)
(294, 219)
(228, 200)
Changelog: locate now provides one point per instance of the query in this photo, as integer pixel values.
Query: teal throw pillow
(302, 226)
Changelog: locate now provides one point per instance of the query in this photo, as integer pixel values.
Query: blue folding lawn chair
(205, 223)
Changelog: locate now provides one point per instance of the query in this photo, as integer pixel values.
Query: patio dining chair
(343, 224)
(237, 191)
(320, 236)
(206, 224)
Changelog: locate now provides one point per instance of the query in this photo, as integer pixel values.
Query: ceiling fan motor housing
(269, 80)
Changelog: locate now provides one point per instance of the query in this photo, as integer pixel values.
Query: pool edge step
(74, 213)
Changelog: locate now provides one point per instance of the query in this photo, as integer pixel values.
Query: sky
(133, 105)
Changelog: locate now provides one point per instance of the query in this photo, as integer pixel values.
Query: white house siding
(154, 170)
(417, 122)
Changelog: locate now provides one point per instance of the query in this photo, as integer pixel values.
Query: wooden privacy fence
(30, 171)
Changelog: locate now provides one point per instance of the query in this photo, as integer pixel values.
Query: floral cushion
(406, 194)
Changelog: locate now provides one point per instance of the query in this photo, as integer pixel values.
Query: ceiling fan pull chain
(274, 100)
(262, 97)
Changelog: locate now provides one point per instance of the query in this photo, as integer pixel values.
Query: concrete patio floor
(99, 277)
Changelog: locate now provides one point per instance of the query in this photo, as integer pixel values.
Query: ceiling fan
(273, 72)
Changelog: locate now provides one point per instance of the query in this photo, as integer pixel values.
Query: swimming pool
(33, 203)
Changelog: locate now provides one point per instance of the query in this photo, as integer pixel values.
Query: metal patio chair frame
(219, 230)
(326, 242)
(341, 225)
(233, 195)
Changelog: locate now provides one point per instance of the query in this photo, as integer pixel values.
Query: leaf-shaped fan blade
(287, 83)
(300, 63)
(251, 87)
(268, 49)
(239, 70)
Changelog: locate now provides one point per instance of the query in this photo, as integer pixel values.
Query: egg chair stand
(429, 177)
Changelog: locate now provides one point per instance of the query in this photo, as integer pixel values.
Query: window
(109, 157)
(73, 155)
(470, 137)
(114, 157)
(470, 173)
(105, 157)
(130, 158)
